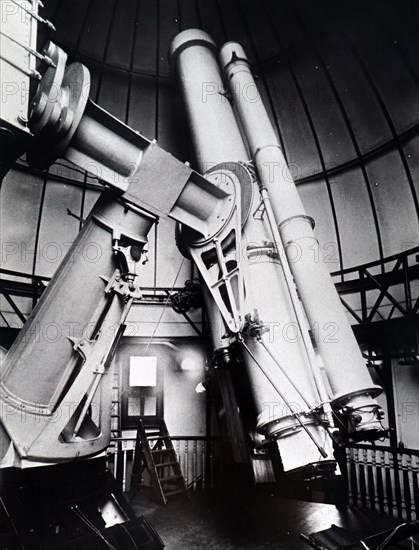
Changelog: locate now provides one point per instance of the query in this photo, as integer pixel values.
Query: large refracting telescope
(306, 371)
(274, 312)
(268, 294)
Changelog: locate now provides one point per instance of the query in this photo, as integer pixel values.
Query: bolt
(36, 75)
(356, 418)
(22, 119)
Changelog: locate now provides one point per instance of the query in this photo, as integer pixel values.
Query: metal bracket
(254, 325)
(218, 257)
(66, 431)
(126, 288)
(83, 346)
(228, 96)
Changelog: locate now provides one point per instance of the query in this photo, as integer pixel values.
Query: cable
(161, 316)
(320, 420)
(293, 413)
(391, 535)
(260, 340)
(31, 51)
(84, 518)
(296, 303)
(35, 16)
(12, 523)
(165, 305)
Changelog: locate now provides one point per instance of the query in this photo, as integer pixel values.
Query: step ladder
(116, 417)
(155, 453)
(116, 411)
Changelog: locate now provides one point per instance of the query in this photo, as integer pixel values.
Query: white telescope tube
(215, 134)
(349, 378)
(193, 54)
(217, 139)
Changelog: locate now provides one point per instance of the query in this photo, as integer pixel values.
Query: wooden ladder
(155, 453)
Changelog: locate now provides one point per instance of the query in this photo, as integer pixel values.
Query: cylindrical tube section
(349, 378)
(41, 361)
(217, 139)
(193, 54)
(104, 148)
(283, 356)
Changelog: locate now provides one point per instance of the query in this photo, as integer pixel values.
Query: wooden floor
(259, 522)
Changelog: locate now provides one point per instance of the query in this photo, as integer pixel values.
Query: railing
(385, 481)
(365, 286)
(196, 461)
(16, 283)
(371, 290)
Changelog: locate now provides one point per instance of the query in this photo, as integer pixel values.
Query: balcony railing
(370, 292)
(196, 460)
(384, 481)
(383, 295)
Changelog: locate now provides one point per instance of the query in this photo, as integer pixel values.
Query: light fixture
(189, 364)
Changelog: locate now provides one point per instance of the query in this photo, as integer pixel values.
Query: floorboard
(257, 522)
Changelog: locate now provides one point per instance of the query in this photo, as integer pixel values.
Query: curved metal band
(259, 149)
(193, 42)
(298, 216)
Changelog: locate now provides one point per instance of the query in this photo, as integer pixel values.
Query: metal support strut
(295, 414)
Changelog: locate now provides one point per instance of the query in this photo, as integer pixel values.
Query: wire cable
(294, 413)
(165, 305)
(383, 544)
(85, 519)
(290, 380)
